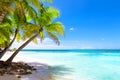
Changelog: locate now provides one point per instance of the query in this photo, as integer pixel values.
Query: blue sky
(89, 24)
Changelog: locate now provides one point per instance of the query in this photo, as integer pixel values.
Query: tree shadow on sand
(58, 72)
(47, 72)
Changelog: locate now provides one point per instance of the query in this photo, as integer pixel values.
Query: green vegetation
(25, 20)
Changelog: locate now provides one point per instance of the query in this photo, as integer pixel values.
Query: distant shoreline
(76, 50)
(64, 49)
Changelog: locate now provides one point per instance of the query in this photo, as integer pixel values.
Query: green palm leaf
(41, 35)
(35, 40)
(56, 28)
(54, 37)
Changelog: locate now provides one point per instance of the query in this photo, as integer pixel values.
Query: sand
(42, 72)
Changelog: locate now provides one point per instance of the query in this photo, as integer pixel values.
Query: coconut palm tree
(44, 24)
(4, 31)
(21, 13)
(19, 9)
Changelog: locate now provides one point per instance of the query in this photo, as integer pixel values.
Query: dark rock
(19, 68)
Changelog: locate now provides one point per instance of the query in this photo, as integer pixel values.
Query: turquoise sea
(80, 64)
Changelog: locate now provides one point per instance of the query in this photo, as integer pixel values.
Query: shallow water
(80, 64)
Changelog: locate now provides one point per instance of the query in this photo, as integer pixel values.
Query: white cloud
(72, 29)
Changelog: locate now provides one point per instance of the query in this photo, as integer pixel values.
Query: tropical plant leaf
(56, 28)
(9, 10)
(19, 13)
(52, 13)
(18, 37)
(35, 41)
(54, 37)
(41, 36)
(48, 1)
(29, 10)
(36, 3)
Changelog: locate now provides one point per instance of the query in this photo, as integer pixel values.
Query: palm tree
(6, 29)
(21, 13)
(19, 9)
(44, 24)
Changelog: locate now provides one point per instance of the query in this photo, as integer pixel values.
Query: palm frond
(36, 3)
(56, 28)
(52, 13)
(18, 37)
(19, 13)
(47, 1)
(54, 37)
(4, 34)
(41, 35)
(35, 40)
(30, 11)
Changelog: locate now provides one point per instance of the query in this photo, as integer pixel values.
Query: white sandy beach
(42, 72)
(45, 68)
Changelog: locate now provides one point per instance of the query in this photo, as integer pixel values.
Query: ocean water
(80, 64)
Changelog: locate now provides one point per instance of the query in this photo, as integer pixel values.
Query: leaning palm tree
(43, 24)
(18, 9)
(6, 30)
(5, 7)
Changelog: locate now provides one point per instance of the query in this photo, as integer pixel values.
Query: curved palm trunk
(20, 48)
(4, 12)
(4, 51)
(2, 16)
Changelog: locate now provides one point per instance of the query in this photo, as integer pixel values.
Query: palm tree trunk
(2, 16)
(4, 12)
(20, 48)
(4, 51)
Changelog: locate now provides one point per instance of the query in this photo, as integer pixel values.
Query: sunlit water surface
(81, 64)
